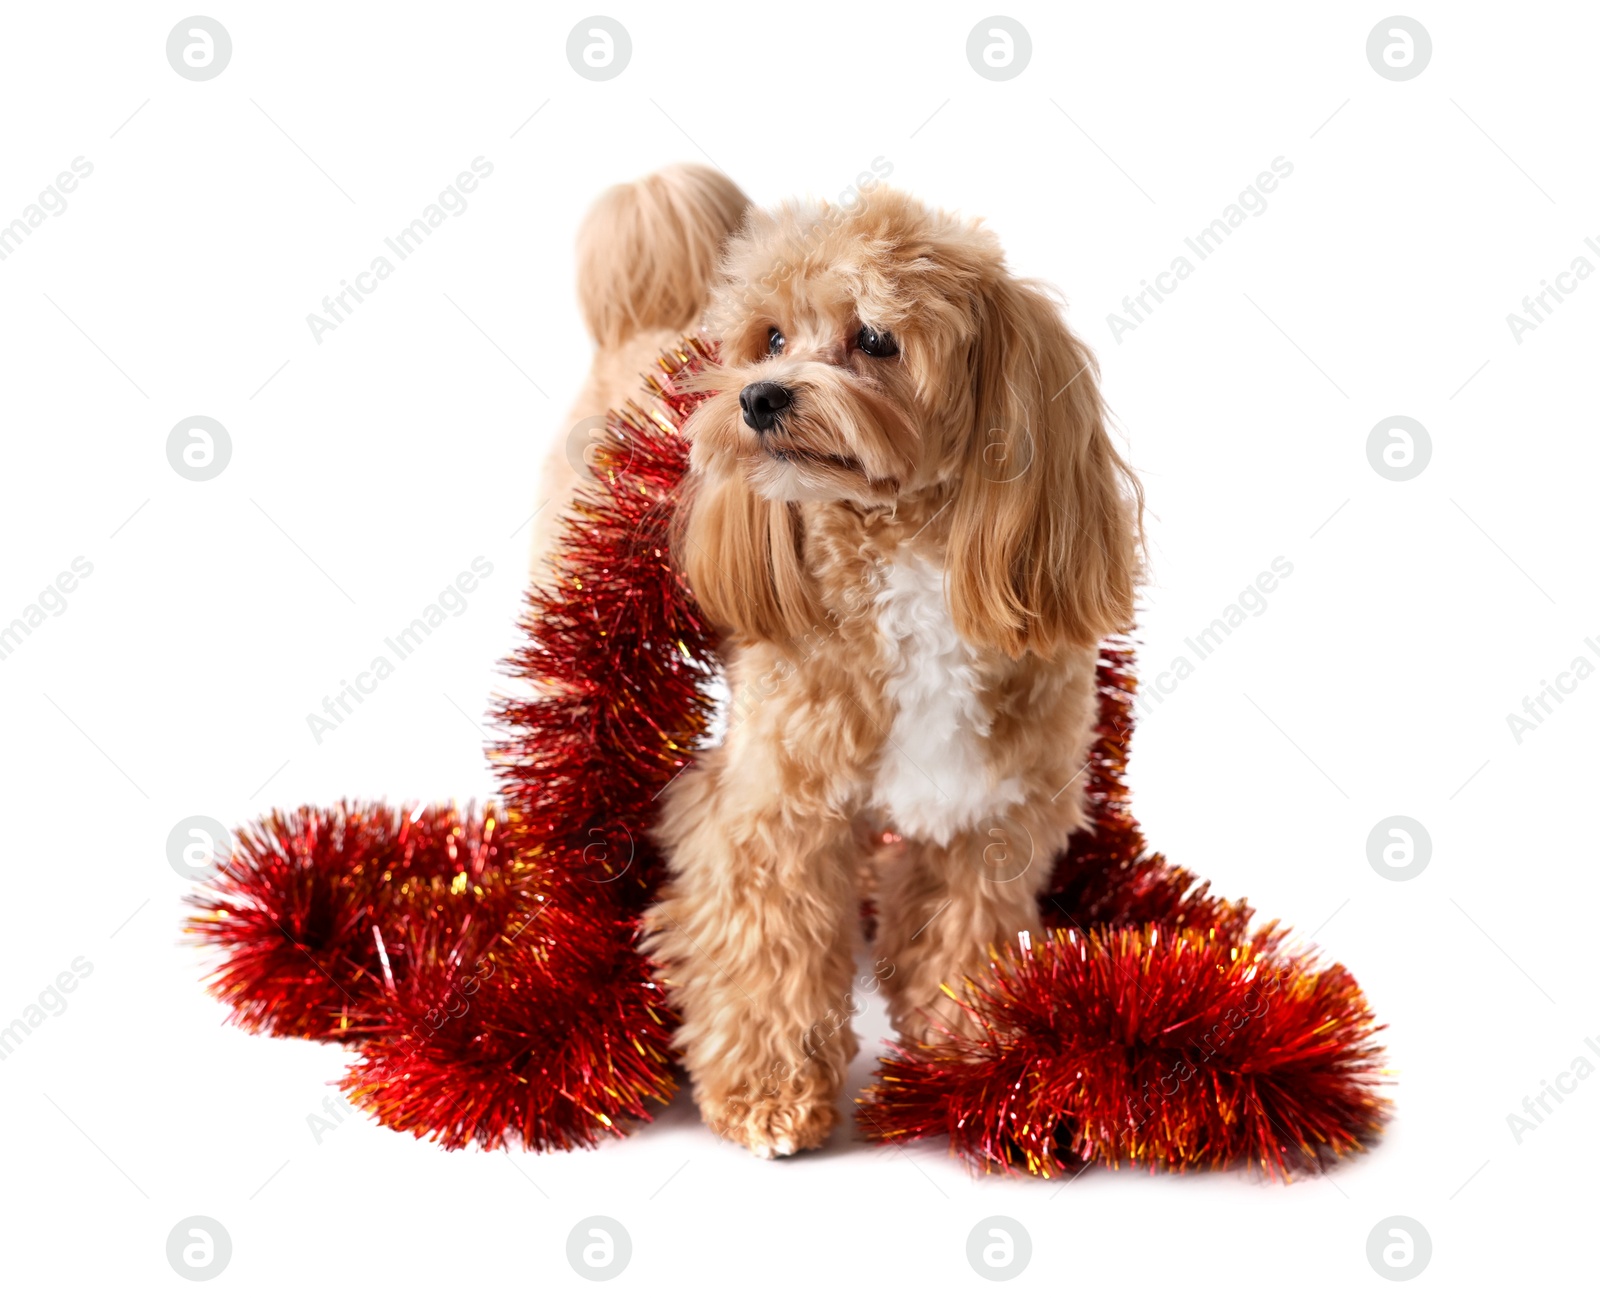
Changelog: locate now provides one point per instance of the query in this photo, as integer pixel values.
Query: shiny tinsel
(1166, 1048)
(556, 1032)
(619, 661)
(484, 964)
(292, 913)
(551, 1037)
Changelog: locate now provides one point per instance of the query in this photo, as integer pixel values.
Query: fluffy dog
(905, 510)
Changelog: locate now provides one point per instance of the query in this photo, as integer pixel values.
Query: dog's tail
(648, 250)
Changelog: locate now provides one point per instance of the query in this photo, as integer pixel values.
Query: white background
(406, 443)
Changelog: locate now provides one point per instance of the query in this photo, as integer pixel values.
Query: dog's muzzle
(762, 403)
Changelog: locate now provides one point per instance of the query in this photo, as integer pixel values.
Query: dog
(906, 514)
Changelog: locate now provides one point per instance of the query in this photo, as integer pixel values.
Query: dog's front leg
(754, 933)
(943, 906)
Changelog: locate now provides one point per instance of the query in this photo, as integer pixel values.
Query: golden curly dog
(906, 511)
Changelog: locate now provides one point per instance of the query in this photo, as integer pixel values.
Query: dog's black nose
(762, 403)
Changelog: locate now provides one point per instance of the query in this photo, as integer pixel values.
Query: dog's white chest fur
(932, 779)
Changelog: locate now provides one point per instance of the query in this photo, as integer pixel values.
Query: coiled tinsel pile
(480, 964)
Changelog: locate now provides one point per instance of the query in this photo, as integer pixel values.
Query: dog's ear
(742, 557)
(1045, 526)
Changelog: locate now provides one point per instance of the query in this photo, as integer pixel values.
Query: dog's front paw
(772, 1126)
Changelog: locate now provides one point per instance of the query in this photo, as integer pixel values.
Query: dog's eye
(876, 342)
(775, 342)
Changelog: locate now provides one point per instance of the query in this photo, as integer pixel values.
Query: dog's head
(883, 352)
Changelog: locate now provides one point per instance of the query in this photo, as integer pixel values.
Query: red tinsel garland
(293, 911)
(486, 968)
(1155, 1046)
(620, 661)
(569, 1034)
(552, 1036)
